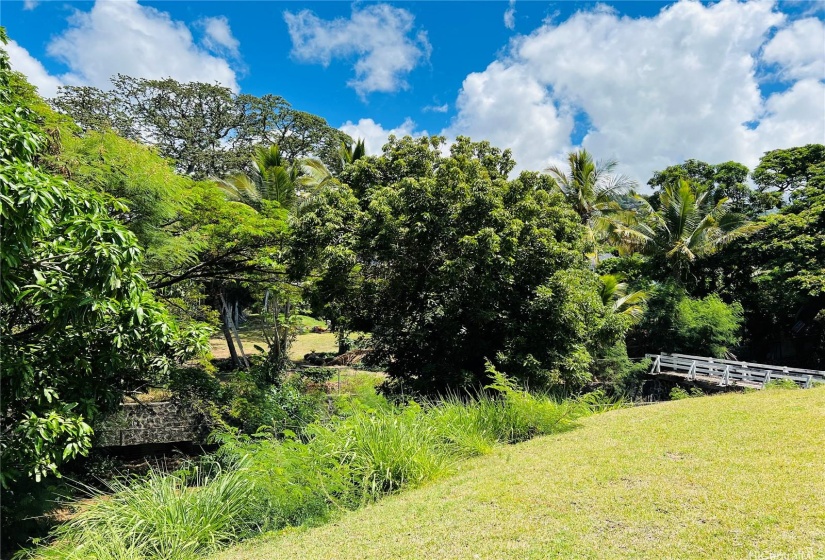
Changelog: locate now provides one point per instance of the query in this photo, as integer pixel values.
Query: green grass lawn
(731, 476)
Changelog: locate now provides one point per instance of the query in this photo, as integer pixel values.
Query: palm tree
(614, 295)
(687, 225)
(271, 178)
(350, 153)
(593, 190)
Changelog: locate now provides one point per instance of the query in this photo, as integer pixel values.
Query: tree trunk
(230, 343)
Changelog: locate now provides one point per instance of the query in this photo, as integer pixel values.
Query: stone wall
(151, 423)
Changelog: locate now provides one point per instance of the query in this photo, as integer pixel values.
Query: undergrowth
(257, 483)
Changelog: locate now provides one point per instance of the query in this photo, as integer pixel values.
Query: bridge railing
(729, 372)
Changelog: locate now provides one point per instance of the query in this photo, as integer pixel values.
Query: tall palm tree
(593, 190)
(687, 225)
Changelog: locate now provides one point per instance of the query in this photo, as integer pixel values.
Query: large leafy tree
(206, 129)
(783, 174)
(447, 263)
(78, 324)
(724, 180)
(779, 276)
(594, 190)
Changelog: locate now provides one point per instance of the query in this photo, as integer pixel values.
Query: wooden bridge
(729, 372)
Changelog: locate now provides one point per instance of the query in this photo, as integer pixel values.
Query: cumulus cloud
(508, 106)
(799, 49)
(375, 135)
(510, 15)
(121, 36)
(650, 91)
(30, 4)
(380, 37)
(218, 36)
(36, 73)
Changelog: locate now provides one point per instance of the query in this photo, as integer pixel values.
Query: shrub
(676, 323)
(708, 326)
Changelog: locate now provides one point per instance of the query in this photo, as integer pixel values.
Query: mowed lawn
(732, 476)
(303, 344)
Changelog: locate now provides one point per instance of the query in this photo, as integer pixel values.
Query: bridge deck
(729, 372)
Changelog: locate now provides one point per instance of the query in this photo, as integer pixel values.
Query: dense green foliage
(79, 325)
(675, 322)
(447, 262)
(205, 128)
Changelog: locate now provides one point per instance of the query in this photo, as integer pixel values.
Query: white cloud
(120, 36)
(380, 37)
(506, 105)
(799, 49)
(437, 108)
(792, 118)
(37, 75)
(510, 15)
(218, 36)
(30, 4)
(656, 91)
(375, 135)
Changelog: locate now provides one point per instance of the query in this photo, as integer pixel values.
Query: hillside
(731, 476)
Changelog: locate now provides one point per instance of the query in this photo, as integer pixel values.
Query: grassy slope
(733, 476)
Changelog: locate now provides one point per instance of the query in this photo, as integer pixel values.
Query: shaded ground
(729, 476)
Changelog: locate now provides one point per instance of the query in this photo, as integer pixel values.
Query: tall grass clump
(504, 413)
(384, 450)
(178, 516)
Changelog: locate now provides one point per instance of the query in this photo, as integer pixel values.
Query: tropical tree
(271, 178)
(593, 190)
(350, 153)
(448, 263)
(686, 225)
(614, 294)
(723, 180)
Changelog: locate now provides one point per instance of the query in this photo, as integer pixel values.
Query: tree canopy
(206, 129)
(447, 263)
(79, 325)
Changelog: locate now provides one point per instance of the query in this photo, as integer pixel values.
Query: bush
(676, 323)
(708, 326)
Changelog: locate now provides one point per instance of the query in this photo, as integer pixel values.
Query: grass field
(304, 343)
(731, 476)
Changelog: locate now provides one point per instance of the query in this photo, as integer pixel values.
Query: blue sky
(647, 83)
